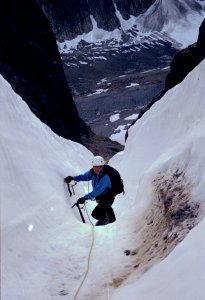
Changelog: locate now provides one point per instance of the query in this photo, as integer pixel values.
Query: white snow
(168, 18)
(114, 117)
(166, 68)
(83, 62)
(98, 91)
(95, 36)
(132, 117)
(44, 245)
(35, 206)
(103, 80)
(131, 85)
(100, 57)
(147, 71)
(125, 24)
(119, 134)
(186, 32)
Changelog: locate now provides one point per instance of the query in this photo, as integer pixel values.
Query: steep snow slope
(164, 155)
(165, 130)
(180, 276)
(36, 217)
(44, 245)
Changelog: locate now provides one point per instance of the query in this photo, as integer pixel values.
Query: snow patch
(114, 117)
(97, 92)
(125, 24)
(83, 62)
(131, 85)
(119, 136)
(132, 117)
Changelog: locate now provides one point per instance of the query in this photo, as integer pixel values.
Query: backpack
(115, 178)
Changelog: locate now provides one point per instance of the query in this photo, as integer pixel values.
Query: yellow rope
(88, 264)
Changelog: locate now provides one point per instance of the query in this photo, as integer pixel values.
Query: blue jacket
(99, 186)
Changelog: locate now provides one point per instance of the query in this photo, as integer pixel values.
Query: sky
(154, 250)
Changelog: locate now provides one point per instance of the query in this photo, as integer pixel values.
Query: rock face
(133, 7)
(201, 38)
(70, 18)
(30, 62)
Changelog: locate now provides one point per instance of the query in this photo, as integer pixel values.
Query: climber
(102, 191)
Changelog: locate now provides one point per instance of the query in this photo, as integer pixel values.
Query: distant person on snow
(102, 193)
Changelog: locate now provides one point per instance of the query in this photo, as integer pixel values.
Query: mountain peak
(163, 13)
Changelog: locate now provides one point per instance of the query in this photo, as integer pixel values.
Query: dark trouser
(104, 211)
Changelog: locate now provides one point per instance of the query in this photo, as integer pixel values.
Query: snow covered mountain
(145, 39)
(178, 19)
(169, 18)
(157, 238)
(95, 21)
(169, 13)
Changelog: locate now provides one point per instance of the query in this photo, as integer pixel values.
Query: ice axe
(80, 212)
(70, 186)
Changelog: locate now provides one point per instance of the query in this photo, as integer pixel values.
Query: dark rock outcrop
(201, 38)
(133, 7)
(103, 12)
(31, 63)
(70, 18)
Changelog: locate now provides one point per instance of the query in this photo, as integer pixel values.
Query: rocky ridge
(70, 18)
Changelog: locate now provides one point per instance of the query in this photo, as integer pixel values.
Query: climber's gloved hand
(81, 200)
(68, 179)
